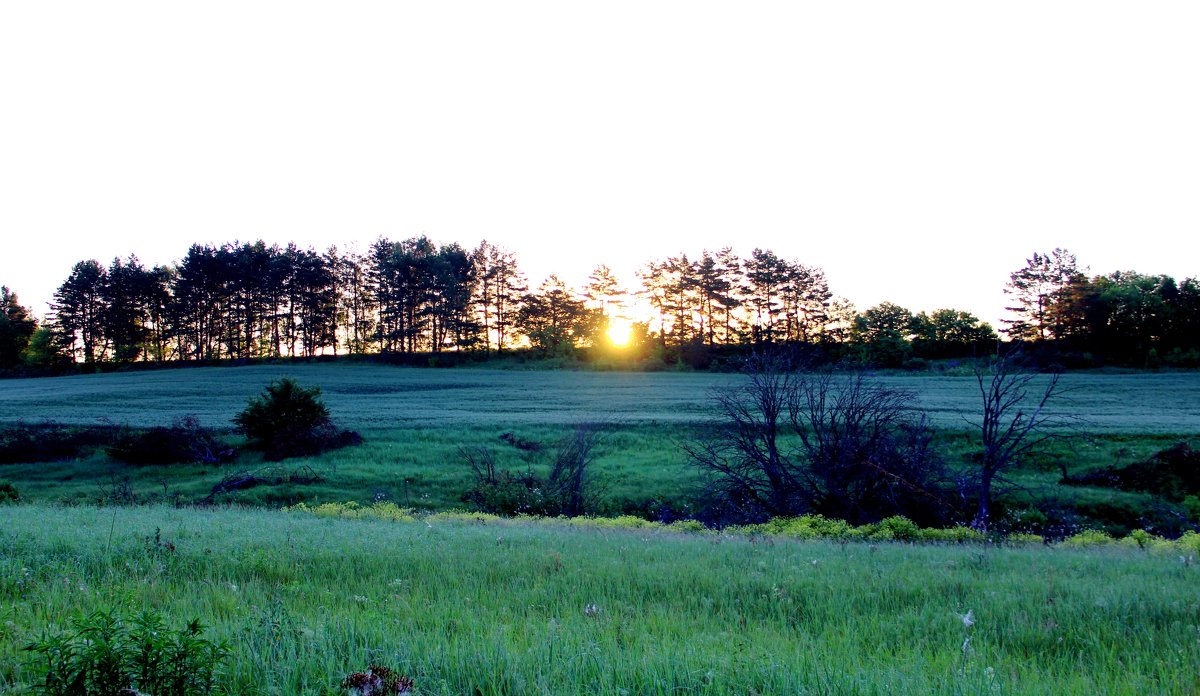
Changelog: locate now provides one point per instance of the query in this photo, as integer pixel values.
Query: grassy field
(503, 608)
(415, 421)
(373, 398)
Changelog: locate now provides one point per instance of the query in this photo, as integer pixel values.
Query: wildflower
(377, 681)
(591, 610)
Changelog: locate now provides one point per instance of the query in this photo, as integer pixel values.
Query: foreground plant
(105, 656)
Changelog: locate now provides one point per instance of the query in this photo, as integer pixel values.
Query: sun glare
(620, 331)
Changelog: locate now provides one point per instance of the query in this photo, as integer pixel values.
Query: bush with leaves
(8, 493)
(107, 656)
(288, 420)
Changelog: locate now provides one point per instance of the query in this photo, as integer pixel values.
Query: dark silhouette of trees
(948, 333)
(1127, 317)
(499, 286)
(553, 320)
(253, 300)
(17, 325)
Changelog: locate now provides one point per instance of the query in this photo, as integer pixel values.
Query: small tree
(1015, 422)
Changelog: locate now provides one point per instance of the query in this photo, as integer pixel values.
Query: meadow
(470, 604)
(467, 606)
(415, 421)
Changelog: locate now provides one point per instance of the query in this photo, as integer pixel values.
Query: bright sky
(917, 151)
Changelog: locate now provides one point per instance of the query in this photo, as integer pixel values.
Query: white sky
(917, 151)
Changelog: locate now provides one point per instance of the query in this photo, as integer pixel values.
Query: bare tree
(796, 442)
(1016, 421)
(570, 474)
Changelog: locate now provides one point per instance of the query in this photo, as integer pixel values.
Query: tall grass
(477, 607)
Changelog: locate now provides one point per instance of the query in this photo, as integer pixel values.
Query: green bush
(288, 420)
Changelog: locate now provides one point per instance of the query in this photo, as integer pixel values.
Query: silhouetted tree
(498, 288)
(79, 310)
(1036, 289)
(17, 325)
(552, 319)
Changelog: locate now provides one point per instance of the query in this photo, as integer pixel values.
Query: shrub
(898, 528)
(51, 442)
(105, 656)
(1191, 506)
(288, 420)
(183, 441)
(1088, 537)
(8, 493)
(567, 490)
(1022, 539)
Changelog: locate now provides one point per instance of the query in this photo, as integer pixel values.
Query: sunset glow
(619, 331)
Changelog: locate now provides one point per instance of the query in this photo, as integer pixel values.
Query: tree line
(1123, 317)
(253, 300)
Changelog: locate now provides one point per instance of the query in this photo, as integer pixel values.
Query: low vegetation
(476, 605)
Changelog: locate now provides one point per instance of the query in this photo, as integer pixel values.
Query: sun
(620, 331)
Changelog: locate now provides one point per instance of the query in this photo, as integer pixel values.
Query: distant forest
(243, 301)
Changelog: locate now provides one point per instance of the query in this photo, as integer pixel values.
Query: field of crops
(481, 607)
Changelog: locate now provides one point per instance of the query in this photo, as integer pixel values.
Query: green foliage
(568, 489)
(104, 656)
(884, 331)
(288, 420)
(44, 350)
(1191, 504)
(1088, 537)
(1173, 472)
